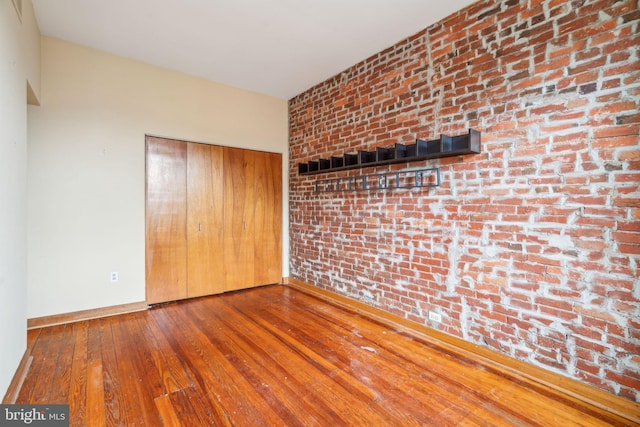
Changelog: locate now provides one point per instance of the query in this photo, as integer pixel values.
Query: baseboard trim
(94, 313)
(534, 376)
(18, 378)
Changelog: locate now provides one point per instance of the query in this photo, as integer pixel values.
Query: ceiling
(275, 47)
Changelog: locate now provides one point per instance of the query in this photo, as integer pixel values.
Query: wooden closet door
(205, 262)
(238, 218)
(166, 216)
(268, 218)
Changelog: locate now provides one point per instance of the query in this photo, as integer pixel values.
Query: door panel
(268, 218)
(205, 262)
(166, 214)
(238, 218)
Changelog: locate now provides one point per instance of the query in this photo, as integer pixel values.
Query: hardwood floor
(274, 356)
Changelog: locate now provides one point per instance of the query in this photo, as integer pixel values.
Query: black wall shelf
(445, 146)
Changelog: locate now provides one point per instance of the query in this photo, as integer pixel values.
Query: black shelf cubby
(425, 148)
(325, 164)
(337, 162)
(400, 151)
(365, 157)
(383, 154)
(350, 160)
(445, 146)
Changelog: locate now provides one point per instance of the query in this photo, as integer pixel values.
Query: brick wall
(530, 248)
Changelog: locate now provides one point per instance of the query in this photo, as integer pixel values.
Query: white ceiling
(275, 47)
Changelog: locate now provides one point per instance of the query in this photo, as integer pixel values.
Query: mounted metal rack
(445, 146)
(419, 178)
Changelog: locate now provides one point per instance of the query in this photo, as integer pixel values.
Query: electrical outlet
(436, 317)
(114, 276)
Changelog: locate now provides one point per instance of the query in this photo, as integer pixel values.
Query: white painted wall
(86, 172)
(19, 44)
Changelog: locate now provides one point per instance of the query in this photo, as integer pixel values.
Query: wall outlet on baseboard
(113, 276)
(436, 317)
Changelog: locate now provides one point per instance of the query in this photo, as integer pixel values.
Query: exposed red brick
(538, 232)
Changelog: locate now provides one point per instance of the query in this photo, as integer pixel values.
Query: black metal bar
(381, 181)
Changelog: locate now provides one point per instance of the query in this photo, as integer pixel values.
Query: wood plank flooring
(274, 356)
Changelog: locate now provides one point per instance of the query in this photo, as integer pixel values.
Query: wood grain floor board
(56, 364)
(142, 385)
(274, 356)
(368, 370)
(459, 380)
(117, 406)
(191, 373)
(78, 377)
(281, 384)
(331, 382)
(223, 375)
(63, 363)
(169, 368)
(167, 412)
(370, 376)
(93, 406)
(449, 392)
(207, 413)
(38, 352)
(215, 385)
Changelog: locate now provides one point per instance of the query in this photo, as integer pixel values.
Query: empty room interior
(297, 213)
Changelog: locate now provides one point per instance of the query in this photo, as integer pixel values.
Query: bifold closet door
(267, 218)
(166, 215)
(205, 198)
(213, 219)
(238, 218)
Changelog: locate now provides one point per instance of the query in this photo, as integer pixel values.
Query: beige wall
(86, 167)
(18, 47)
(31, 36)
